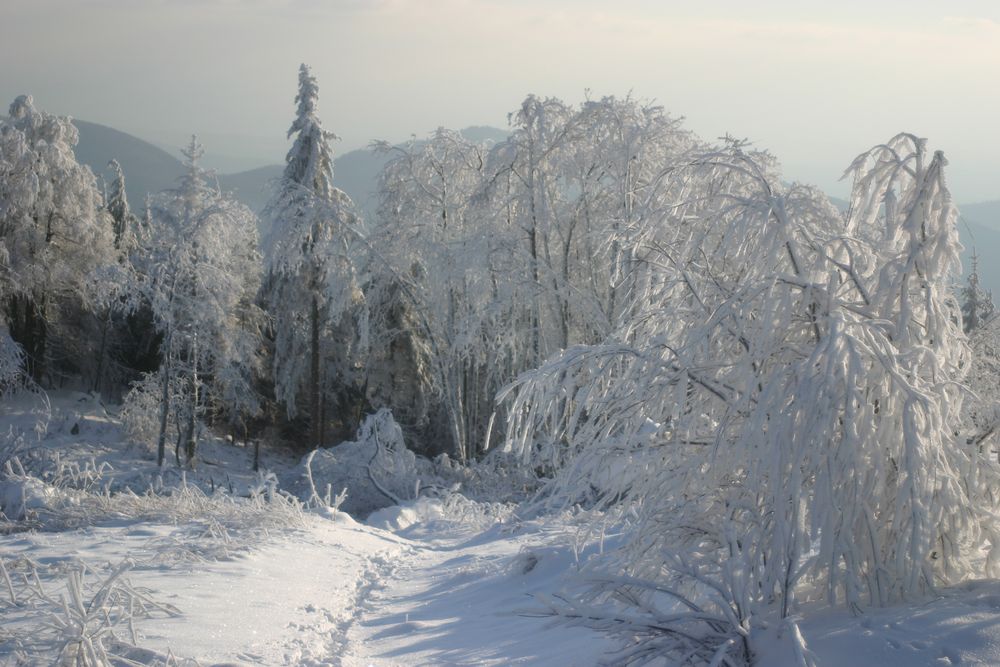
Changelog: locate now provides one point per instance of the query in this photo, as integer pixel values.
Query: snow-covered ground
(332, 592)
(217, 579)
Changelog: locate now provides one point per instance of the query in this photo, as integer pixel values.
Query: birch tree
(434, 283)
(203, 277)
(782, 403)
(53, 236)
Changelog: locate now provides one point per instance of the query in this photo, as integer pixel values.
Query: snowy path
(334, 593)
(452, 600)
(437, 584)
(290, 603)
(346, 594)
(350, 595)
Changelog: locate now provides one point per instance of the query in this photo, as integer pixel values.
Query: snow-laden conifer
(311, 270)
(977, 302)
(125, 222)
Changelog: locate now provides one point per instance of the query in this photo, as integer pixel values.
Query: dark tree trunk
(161, 441)
(191, 443)
(315, 417)
(102, 352)
(26, 318)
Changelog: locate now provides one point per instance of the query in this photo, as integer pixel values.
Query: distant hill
(485, 133)
(253, 187)
(148, 169)
(355, 172)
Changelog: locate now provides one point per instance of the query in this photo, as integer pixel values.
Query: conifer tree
(311, 274)
(977, 302)
(125, 223)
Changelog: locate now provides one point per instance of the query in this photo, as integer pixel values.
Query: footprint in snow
(401, 629)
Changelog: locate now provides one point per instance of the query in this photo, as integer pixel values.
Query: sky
(815, 82)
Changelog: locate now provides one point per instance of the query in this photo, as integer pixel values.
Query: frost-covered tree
(530, 194)
(312, 290)
(125, 222)
(982, 409)
(434, 293)
(53, 236)
(497, 255)
(203, 273)
(121, 306)
(977, 302)
(782, 402)
(622, 174)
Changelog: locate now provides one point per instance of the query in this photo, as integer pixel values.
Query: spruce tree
(310, 265)
(977, 302)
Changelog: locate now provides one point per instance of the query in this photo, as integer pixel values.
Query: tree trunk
(161, 441)
(314, 383)
(26, 319)
(192, 431)
(102, 352)
(322, 420)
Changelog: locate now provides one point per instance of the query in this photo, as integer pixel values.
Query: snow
(436, 581)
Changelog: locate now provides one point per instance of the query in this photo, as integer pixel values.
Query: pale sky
(813, 82)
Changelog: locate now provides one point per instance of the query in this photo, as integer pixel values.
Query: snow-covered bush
(376, 469)
(23, 495)
(87, 616)
(141, 411)
(800, 373)
(429, 515)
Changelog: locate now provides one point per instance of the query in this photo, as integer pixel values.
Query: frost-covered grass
(83, 617)
(67, 469)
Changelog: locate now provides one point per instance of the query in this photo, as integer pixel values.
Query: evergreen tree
(312, 288)
(977, 302)
(125, 223)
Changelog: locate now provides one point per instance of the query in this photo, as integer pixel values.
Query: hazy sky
(814, 82)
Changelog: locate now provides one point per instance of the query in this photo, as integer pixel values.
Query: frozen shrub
(786, 395)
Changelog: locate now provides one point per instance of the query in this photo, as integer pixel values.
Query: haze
(815, 83)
